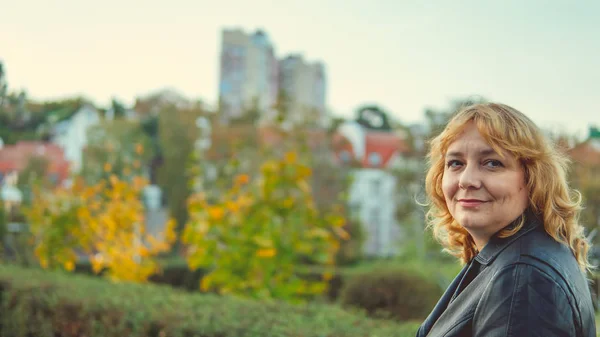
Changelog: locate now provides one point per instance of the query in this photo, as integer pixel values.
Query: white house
(10, 195)
(372, 195)
(71, 134)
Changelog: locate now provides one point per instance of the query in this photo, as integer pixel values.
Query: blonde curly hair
(550, 197)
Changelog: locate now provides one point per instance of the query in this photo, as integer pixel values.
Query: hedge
(42, 303)
(393, 293)
(175, 272)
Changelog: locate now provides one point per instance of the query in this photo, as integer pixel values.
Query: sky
(539, 56)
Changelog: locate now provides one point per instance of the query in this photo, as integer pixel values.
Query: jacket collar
(496, 244)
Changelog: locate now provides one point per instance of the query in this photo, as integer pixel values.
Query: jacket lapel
(442, 304)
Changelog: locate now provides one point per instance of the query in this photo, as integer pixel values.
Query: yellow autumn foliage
(255, 236)
(104, 222)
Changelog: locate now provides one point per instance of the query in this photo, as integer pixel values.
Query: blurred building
(248, 74)
(303, 84)
(253, 80)
(10, 196)
(71, 133)
(585, 176)
(16, 158)
(370, 146)
(588, 152)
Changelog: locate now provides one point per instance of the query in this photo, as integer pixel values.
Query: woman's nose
(469, 178)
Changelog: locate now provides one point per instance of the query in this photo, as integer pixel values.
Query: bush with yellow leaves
(254, 237)
(104, 221)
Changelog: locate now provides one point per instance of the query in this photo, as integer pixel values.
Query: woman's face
(484, 192)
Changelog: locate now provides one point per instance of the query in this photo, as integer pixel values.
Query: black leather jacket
(524, 285)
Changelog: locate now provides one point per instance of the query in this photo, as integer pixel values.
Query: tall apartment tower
(248, 74)
(304, 86)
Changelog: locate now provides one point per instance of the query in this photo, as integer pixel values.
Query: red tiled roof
(340, 144)
(383, 143)
(586, 153)
(16, 157)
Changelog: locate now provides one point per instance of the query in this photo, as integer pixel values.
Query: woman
(500, 202)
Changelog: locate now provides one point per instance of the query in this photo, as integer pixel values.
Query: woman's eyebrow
(482, 152)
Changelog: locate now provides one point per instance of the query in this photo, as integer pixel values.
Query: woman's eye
(453, 163)
(493, 163)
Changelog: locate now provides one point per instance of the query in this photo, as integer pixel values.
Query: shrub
(54, 303)
(253, 237)
(351, 250)
(105, 221)
(178, 275)
(394, 293)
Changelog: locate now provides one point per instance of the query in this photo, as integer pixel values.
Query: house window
(374, 159)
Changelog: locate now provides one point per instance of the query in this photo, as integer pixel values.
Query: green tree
(118, 108)
(262, 215)
(257, 234)
(116, 147)
(3, 85)
(3, 229)
(177, 134)
(34, 174)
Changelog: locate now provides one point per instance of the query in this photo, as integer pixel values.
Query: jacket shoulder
(518, 302)
(540, 250)
(555, 261)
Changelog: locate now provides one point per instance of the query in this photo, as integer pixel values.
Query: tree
(259, 217)
(34, 174)
(104, 221)
(117, 147)
(3, 85)
(254, 236)
(3, 229)
(118, 108)
(177, 134)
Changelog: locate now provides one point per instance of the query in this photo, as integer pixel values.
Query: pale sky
(539, 56)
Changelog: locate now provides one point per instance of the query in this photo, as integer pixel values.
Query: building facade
(371, 148)
(15, 158)
(71, 134)
(248, 73)
(303, 85)
(252, 78)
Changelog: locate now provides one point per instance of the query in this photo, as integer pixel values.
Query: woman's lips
(470, 203)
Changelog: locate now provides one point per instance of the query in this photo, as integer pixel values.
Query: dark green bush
(40, 303)
(350, 252)
(174, 272)
(394, 293)
(179, 275)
